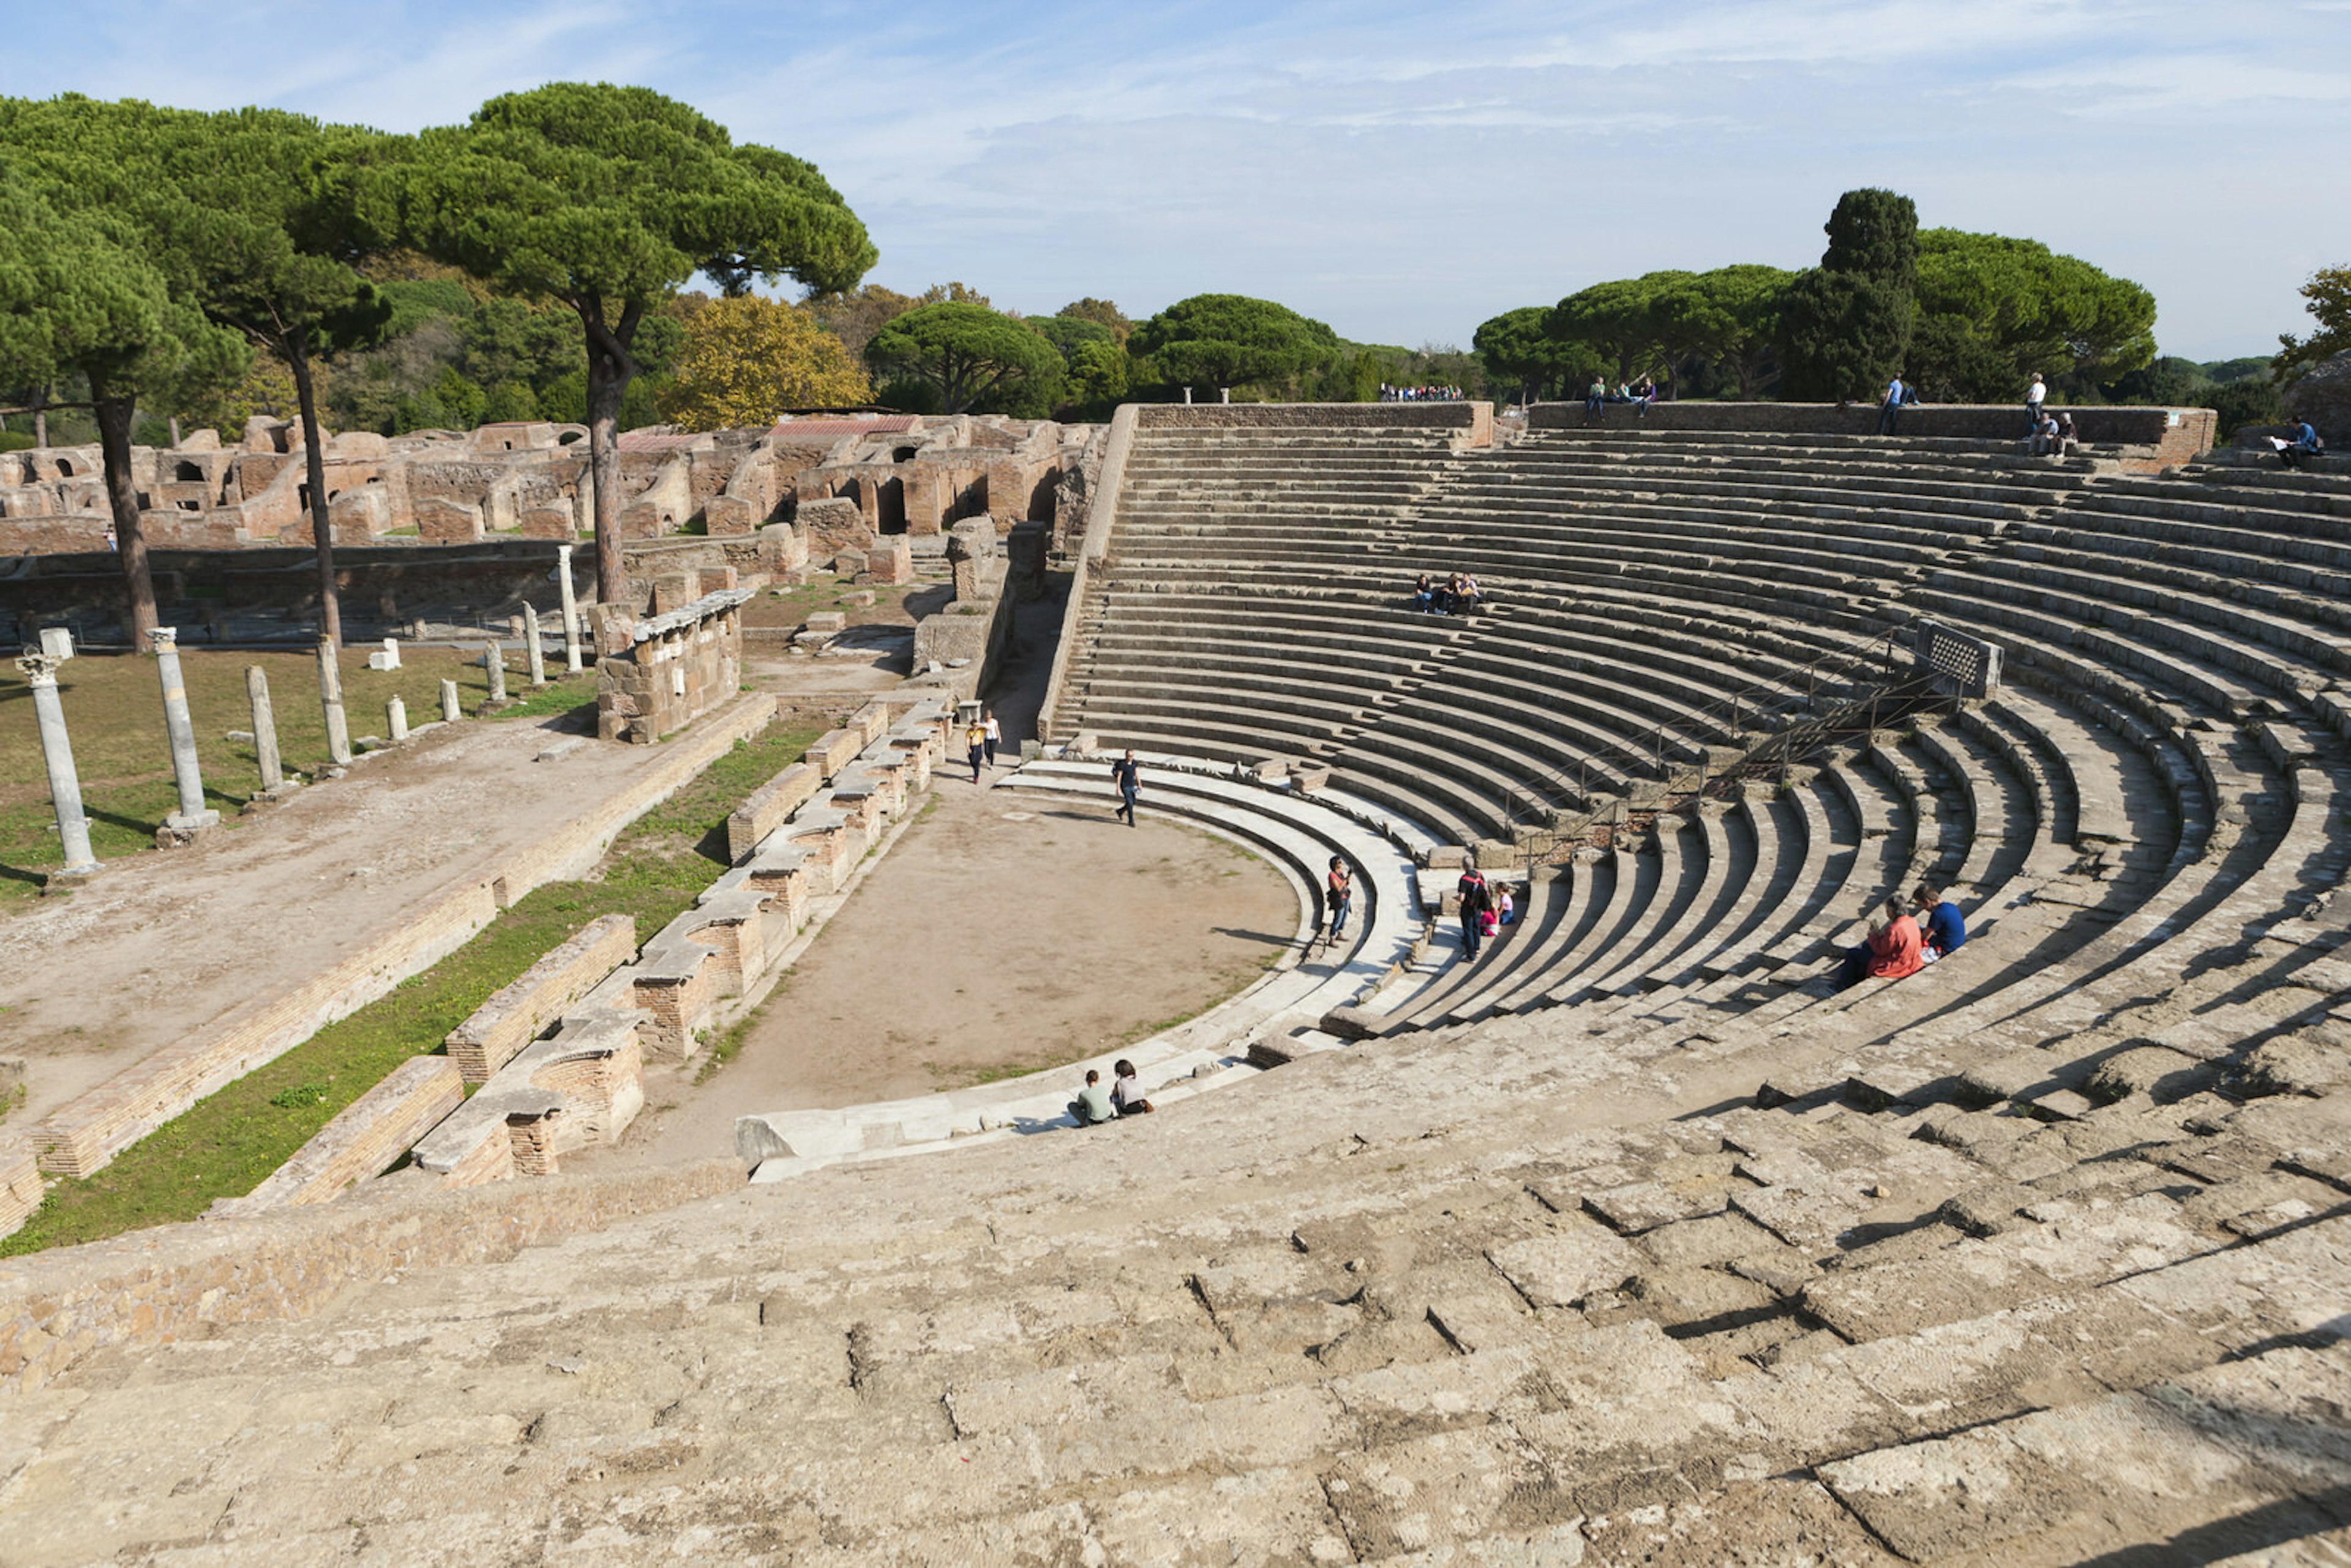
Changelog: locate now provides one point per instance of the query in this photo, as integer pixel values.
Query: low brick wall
(365, 1140)
(86, 1134)
(831, 751)
(2175, 434)
(512, 1019)
(768, 808)
(20, 1186)
(182, 1281)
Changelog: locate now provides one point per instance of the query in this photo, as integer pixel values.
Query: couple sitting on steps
(1905, 937)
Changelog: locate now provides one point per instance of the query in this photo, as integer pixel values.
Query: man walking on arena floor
(1123, 774)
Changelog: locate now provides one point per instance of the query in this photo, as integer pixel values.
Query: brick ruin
(905, 473)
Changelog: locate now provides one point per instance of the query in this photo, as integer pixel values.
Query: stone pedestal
(192, 815)
(450, 713)
(531, 646)
(494, 664)
(330, 699)
(395, 719)
(40, 672)
(388, 658)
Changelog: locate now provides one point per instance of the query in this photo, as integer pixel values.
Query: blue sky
(1401, 171)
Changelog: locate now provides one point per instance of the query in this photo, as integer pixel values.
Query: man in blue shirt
(1890, 411)
(2305, 446)
(1939, 922)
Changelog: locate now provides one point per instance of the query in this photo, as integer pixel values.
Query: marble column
(450, 713)
(538, 654)
(330, 697)
(570, 611)
(395, 719)
(181, 729)
(494, 664)
(265, 728)
(40, 672)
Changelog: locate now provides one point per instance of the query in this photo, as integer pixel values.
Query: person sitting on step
(1126, 1090)
(1945, 927)
(1424, 595)
(1092, 1107)
(1893, 951)
(2305, 445)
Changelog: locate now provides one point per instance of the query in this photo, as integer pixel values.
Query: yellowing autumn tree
(748, 359)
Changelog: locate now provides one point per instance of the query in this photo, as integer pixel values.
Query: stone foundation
(659, 675)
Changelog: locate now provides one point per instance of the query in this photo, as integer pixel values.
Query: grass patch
(114, 713)
(561, 695)
(226, 1145)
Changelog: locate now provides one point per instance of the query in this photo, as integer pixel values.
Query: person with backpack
(1477, 909)
(2305, 445)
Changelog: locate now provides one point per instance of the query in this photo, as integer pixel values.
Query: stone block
(502, 1026)
(849, 563)
(548, 521)
(365, 1140)
(728, 516)
(445, 522)
(892, 562)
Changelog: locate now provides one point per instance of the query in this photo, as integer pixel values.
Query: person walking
(992, 733)
(1889, 412)
(975, 740)
(1477, 904)
(1338, 897)
(1123, 774)
(2035, 396)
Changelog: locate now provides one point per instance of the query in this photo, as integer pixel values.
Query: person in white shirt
(991, 735)
(2034, 397)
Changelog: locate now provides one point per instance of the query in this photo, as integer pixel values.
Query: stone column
(192, 814)
(493, 661)
(531, 645)
(570, 611)
(40, 672)
(264, 729)
(449, 711)
(330, 696)
(395, 718)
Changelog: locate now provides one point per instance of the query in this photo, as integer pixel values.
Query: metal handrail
(1628, 758)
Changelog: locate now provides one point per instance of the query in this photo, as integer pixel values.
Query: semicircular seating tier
(1685, 717)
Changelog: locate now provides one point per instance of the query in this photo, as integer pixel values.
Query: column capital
(37, 668)
(163, 637)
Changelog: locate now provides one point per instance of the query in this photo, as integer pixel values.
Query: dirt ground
(161, 944)
(1001, 934)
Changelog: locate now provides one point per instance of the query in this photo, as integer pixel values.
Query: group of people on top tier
(1905, 936)
(1457, 595)
(1597, 397)
(1419, 394)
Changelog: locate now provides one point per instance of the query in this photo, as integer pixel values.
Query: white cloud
(1399, 168)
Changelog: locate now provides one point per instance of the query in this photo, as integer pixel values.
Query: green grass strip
(226, 1145)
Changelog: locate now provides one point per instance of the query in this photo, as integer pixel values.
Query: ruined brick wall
(658, 675)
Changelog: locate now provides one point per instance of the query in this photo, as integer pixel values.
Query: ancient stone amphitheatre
(1631, 1243)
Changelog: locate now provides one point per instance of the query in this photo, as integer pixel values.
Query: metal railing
(1842, 691)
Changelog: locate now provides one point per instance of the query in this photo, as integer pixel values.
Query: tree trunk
(41, 420)
(123, 494)
(608, 378)
(314, 463)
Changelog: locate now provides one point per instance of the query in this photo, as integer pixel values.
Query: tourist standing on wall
(2035, 396)
(1889, 412)
(1595, 402)
(1130, 784)
(993, 733)
(976, 739)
